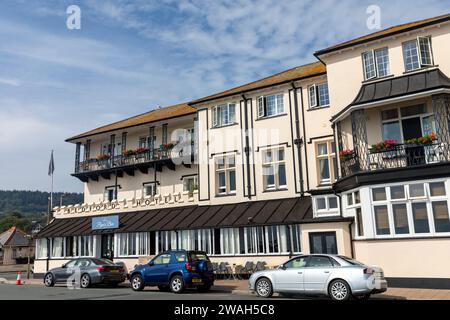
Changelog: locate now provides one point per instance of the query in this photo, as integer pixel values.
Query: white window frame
(331, 156)
(314, 96)
(328, 211)
(218, 121)
(262, 105)
(141, 240)
(274, 165)
(227, 169)
(186, 183)
(420, 62)
(372, 54)
(153, 185)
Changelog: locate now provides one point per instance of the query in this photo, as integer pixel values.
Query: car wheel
(85, 281)
(362, 297)
(137, 284)
(339, 290)
(177, 284)
(264, 288)
(49, 280)
(204, 288)
(163, 288)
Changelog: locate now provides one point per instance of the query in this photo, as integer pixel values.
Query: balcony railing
(108, 162)
(397, 156)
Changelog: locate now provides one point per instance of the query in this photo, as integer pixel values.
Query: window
(323, 242)
(190, 184)
(224, 114)
(416, 190)
(200, 239)
(226, 175)
(57, 247)
(400, 213)
(326, 161)
(417, 53)
(359, 223)
(441, 216)
(41, 248)
(296, 263)
(319, 262)
(270, 105)
(420, 217)
(326, 203)
(381, 220)
(376, 63)
(274, 169)
(83, 246)
(110, 194)
(379, 194)
(150, 189)
(397, 192)
(162, 259)
(437, 189)
(318, 95)
(167, 240)
(132, 244)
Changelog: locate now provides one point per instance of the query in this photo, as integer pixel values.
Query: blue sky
(131, 56)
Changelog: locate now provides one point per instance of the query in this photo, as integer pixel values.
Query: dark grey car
(86, 272)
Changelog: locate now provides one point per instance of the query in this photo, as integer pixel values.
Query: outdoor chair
(248, 269)
(260, 266)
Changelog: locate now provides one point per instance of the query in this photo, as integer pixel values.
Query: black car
(87, 271)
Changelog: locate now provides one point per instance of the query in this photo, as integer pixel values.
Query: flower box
(385, 145)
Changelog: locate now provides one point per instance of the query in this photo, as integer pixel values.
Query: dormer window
(418, 53)
(224, 114)
(376, 63)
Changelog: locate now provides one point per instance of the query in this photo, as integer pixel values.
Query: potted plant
(128, 153)
(383, 146)
(424, 140)
(346, 154)
(142, 150)
(103, 157)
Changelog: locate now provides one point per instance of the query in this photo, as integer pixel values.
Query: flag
(51, 166)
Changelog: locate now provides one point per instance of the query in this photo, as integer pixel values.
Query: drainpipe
(352, 250)
(247, 147)
(304, 137)
(298, 141)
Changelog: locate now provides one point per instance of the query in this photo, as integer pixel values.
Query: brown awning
(257, 213)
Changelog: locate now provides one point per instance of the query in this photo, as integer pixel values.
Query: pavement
(222, 289)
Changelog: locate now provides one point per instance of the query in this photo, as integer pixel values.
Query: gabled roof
(148, 117)
(13, 237)
(385, 33)
(297, 73)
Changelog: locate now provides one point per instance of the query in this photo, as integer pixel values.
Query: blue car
(175, 270)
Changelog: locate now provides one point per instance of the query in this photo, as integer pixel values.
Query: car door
(317, 272)
(158, 269)
(290, 277)
(61, 274)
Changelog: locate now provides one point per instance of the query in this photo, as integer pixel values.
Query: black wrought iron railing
(397, 156)
(107, 162)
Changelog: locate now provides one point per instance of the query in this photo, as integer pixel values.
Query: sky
(132, 55)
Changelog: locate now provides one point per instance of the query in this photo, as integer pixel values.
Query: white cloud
(10, 82)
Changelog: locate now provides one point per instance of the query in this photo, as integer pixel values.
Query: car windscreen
(353, 262)
(104, 262)
(198, 256)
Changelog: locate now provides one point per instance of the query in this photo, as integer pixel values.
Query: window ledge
(421, 69)
(225, 195)
(225, 125)
(271, 117)
(318, 108)
(372, 80)
(275, 190)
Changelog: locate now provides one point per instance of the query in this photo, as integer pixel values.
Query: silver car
(338, 277)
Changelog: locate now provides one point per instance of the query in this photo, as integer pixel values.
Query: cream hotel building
(349, 155)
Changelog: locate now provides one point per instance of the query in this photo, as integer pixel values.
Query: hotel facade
(348, 155)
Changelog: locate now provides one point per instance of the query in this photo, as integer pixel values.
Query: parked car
(338, 277)
(92, 271)
(175, 270)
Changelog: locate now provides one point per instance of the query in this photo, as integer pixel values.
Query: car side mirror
(63, 266)
(282, 267)
(151, 263)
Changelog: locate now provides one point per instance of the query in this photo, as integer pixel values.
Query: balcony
(394, 157)
(131, 160)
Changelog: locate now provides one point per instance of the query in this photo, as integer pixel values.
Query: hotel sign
(108, 222)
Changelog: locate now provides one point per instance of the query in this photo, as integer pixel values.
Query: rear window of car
(102, 261)
(353, 262)
(198, 256)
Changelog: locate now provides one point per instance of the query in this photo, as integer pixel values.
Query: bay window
(224, 114)
(417, 53)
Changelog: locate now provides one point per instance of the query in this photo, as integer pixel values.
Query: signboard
(107, 222)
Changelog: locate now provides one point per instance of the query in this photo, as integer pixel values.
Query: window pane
(231, 162)
(222, 183)
(312, 96)
(324, 99)
(369, 65)
(382, 220)
(428, 125)
(441, 218)
(389, 114)
(282, 175)
(332, 203)
(322, 149)
(232, 180)
(425, 51)
(437, 189)
(420, 217)
(416, 190)
(382, 59)
(398, 192)
(324, 169)
(349, 199)
(220, 162)
(271, 105)
(379, 194)
(268, 157)
(280, 104)
(269, 175)
(281, 155)
(411, 55)
(321, 204)
(400, 218)
(232, 113)
(413, 110)
(391, 131)
(359, 222)
(357, 199)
